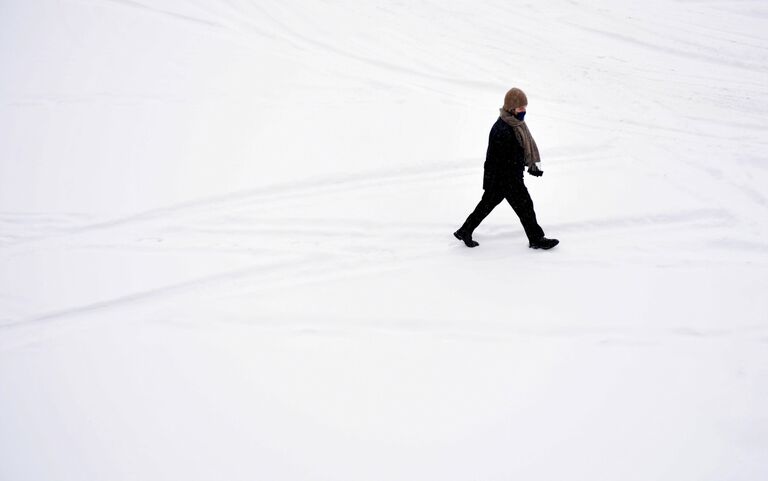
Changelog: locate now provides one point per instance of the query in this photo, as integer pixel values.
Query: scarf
(530, 150)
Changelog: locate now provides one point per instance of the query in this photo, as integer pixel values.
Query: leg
(520, 200)
(491, 198)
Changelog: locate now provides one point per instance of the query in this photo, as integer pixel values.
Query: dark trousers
(518, 197)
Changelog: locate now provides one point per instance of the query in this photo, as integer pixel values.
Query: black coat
(505, 160)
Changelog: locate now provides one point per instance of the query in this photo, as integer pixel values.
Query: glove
(535, 171)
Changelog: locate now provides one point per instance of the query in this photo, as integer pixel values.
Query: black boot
(543, 243)
(465, 238)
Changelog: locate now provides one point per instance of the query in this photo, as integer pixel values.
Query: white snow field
(226, 250)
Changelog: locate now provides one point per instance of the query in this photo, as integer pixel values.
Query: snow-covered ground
(226, 250)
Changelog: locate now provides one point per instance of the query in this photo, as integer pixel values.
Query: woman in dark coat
(510, 149)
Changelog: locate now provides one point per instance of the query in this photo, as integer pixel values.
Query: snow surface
(226, 251)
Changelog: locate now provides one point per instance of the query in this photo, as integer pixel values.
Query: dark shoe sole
(536, 246)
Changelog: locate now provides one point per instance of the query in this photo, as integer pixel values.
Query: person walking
(511, 148)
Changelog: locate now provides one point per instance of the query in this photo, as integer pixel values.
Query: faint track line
(716, 216)
(273, 271)
(167, 13)
(287, 190)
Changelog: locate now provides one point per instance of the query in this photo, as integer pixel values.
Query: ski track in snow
(341, 246)
(244, 223)
(322, 306)
(214, 229)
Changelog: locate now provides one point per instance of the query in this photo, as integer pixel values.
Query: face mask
(520, 115)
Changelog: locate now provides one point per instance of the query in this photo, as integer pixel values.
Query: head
(515, 101)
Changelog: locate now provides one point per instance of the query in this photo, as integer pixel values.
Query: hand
(535, 171)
